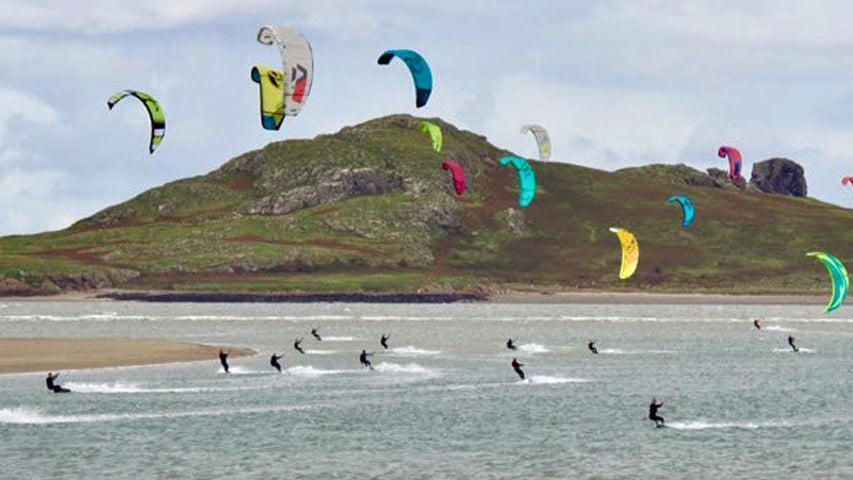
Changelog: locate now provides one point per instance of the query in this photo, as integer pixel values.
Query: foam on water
(703, 425)
(385, 367)
(619, 351)
(776, 328)
(309, 371)
(311, 351)
(788, 350)
(34, 416)
(131, 388)
(412, 351)
(333, 338)
(237, 370)
(549, 380)
(532, 348)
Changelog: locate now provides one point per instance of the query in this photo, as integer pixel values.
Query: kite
(630, 252)
(155, 114)
(418, 67)
(687, 209)
(434, 134)
(542, 140)
(297, 62)
(735, 161)
(526, 180)
(271, 86)
(458, 176)
(838, 275)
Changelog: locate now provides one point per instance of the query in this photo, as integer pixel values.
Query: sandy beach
(19, 355)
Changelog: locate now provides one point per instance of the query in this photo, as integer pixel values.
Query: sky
(616, 83)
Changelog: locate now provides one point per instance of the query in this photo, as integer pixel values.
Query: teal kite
(526, 180)
(418, 67)
(155, 114)
(838, 274)
(687, 210)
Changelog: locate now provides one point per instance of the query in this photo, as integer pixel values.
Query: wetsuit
(297, 347)
(653, 413)
(53, 387)
(791, 343)
(510, 345)
(274, 362)
(363, 359)
(517, 367)
(316, 335)
(757, 325)
(384, 341)
(591, 347)
(223, 359)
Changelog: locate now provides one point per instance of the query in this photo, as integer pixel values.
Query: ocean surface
(442, 402)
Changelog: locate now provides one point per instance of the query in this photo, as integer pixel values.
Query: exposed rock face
(336, 186)
(513, 220)
(779, 175)
(721, 178)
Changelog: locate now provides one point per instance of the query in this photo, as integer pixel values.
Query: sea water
(442, 401)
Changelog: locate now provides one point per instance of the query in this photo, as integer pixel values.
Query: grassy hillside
(370, 209)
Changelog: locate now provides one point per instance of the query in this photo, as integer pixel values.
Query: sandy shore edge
(644, 298)
(21, 355)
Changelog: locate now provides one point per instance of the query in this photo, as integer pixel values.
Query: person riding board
(223, 359)
(316, 334)
(510, 344)
(274, 361)
(363, 359)
(297, 347)
(757, 324)
(384, 341)
(791, 343)
(653, 413)
(54, 387)
(591, 346)
(517, 367)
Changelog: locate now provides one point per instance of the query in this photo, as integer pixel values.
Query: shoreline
(25, 355)
(509, 296)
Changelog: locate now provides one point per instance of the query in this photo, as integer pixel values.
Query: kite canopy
(418, 67)
(838, 275)
(297, 61)
(271, 86)
(526, 179)
(458, 176)
(542, 140)
(155, 114)
(434, 134)
(735, 161)
(630, 252)
(687, 210)
(846, 180)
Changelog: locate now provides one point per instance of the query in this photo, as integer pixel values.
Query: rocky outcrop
(781, 176)
(336, 186)
(721, 178)
(512, 220)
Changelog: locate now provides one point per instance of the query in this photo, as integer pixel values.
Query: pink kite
(458, 175)
(735, 161)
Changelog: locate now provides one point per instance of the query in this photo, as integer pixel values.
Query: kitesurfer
(517, 367)
(791, 343)
(757, 324)
(363, 359)
(591, 346)
(510, 344)
(52, 385)
(223, 359)
(297, 347)
(274, 361)
(384, 341)
(653, 412)
(316, 334)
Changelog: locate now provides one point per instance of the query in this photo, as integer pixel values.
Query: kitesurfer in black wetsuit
(517, 367)
(653, 412)
(384, 341)
(52, 385)
(791, 343)
(274, 361)
(223, 359)
(757, 324)
(363, 359)
(297, 347)
(316, 334)
(591, 346)
(510, 344)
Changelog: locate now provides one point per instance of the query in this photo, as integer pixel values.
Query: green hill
(369, 209)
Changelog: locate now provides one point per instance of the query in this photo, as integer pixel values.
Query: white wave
(128, 388)
(34, 416)
(381, 318)
(532, 348)
(411, 351)
(397, 368)
(789, 350)
(619, 351)
(320, 352)
(702, 425)
(309, 371)
(776, 328)
(236, 370)
(549, 380)
(332, 338)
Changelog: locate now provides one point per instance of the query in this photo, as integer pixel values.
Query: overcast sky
(617, 83)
